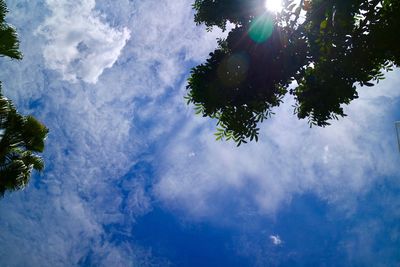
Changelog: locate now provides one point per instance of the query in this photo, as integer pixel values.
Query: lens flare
(261, 28)
(274, 6)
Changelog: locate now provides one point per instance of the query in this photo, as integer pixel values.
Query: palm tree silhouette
(9, 44)
(21, 137)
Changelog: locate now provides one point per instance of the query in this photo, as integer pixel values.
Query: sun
(273, 5)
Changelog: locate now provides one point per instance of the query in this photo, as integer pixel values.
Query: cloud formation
(338, 163)
(95, 185)
(80, 44)
(275, 239)
(127, 142)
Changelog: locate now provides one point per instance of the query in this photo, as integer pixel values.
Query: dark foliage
(321, 49)
(21, 137)
(9, 44)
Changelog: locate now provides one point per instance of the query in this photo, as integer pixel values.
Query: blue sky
(134, 178)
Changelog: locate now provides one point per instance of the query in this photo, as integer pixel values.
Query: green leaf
(323, 25)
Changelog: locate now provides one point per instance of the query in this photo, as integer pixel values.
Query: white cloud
(275, 239)
(98, 131)
(339, 163)
(79, 44)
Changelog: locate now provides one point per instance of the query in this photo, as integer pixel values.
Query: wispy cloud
(126, 127)
(94, 188)
(338, 163)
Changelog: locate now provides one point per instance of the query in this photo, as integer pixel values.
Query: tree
(316, 50)
(21, 137)
(9, 44)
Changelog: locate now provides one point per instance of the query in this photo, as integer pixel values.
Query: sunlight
(273, 5)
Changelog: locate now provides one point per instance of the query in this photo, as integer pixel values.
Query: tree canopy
(316, 50)
(21, 137)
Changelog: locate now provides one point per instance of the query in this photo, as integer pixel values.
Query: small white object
(275, 239)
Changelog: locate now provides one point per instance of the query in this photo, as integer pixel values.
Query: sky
(134, 178)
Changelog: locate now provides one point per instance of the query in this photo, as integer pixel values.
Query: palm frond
(14, 175)
(20, 136)
(9, 43)
(34, 133)
(3, 11)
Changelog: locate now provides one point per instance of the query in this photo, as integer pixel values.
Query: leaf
(323, 25)
(368, 84)
(291, 6)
